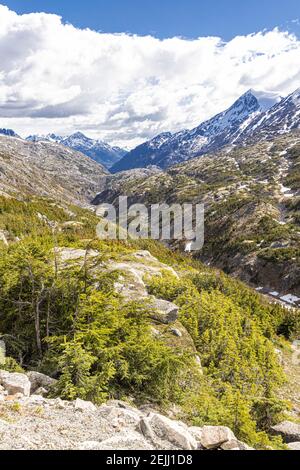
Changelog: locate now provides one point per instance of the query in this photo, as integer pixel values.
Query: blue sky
(167, 18)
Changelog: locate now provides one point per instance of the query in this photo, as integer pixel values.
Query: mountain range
(96, 149)
(251, 118)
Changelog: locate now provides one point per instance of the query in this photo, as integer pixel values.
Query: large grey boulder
(39, 380)
(294, 446)
(14, 383)
(290, 432)
(156, 425)
(163, 311)
(214, 436)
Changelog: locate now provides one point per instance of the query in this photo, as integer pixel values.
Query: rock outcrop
(289, 431)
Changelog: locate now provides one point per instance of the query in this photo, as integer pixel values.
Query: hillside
(251, 198)
(47, 169)
(135, 321)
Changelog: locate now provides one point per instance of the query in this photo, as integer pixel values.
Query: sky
(168, 18)
(126, 70)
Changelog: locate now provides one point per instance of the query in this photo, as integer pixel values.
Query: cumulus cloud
(126, 88)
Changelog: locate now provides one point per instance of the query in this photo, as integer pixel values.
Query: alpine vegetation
(149, 298)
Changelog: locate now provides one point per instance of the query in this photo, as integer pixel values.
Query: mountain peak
(258, 100)
(8, 133)
(266, 99)
(248, 95)
(99, 151)
(282, 117)
(78, 135)
(247, 103)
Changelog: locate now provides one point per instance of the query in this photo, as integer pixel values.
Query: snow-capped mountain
(44, 138)
(9, 133)
(99, 151)
(283, 117)
(223, 129)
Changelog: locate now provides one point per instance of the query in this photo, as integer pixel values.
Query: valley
(251, 197)
(202, 338)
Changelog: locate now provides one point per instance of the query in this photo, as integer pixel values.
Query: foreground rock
(158, 426)
(39, 381)
(215, 436)
(290, 432)
(235, 445)
(33, 422)
(15, 383)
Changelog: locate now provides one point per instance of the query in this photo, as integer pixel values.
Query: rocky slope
(47, 169)
(29, 421)
(251, 196)
(96, 149)
(95, 282)
(226, 128)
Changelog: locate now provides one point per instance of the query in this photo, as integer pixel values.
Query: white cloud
(124, 88)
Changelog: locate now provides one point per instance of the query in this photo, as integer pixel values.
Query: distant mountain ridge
(98, 150)
(9, 133)
(254, 113)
